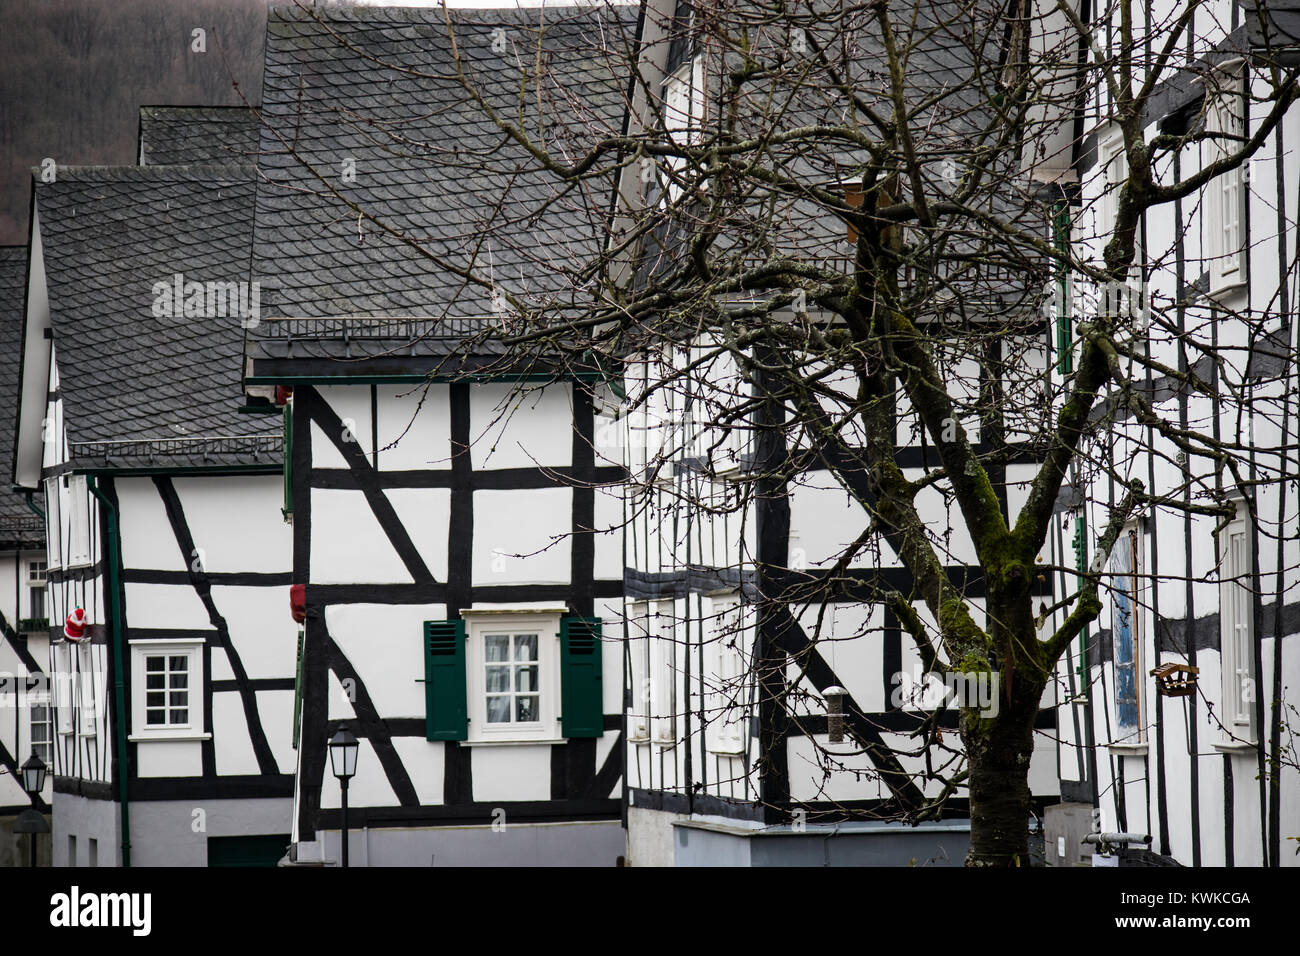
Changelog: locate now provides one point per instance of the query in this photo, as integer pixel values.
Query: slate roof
(145, 390)
(377, 87)
(180, 135)
(19, 526)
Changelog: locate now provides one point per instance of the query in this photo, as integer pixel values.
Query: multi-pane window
(663, 678)
(638, 718)
(36, 585)
(1114, 169)
(726, 676)
(167, 690)
(1237, 632)
(62, 684)
(512, 678)
(684, 104)
(43, 732)
(501, 675)
(1225, 196)
(1126, 635)
(88, 693)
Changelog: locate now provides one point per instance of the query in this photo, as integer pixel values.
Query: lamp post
(343, 761)
(30, 821)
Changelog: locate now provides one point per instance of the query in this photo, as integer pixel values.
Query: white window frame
(193, 728)
(37, 583)
(664, 690)
(639, 641)
(63, 687)
(545, 623)
(725, 452)
(89, 695)
(1113, 163)
(725, 675)
(1237, 631)
(684, 110)
(1132, 738)
(41, 699)
(1224, 199)
(53, 523)
(78, 522)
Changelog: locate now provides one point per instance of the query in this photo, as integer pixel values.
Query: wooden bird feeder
(1175, 680)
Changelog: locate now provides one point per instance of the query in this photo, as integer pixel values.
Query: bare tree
(850, 238)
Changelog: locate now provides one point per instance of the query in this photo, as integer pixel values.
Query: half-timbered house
(24, 690)
(171, 742)
(1178, 708)
(461, 614)
(744, 632)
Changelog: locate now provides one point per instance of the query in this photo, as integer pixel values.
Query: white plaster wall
(513, 426)
(523, 537)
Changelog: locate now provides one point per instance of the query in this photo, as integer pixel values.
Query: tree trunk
(998, 751)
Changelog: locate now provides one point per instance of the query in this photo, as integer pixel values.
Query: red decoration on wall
(74, 629)
(298, 602)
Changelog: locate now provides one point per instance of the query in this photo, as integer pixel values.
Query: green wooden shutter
(445, 717)
(581, 701)
(287, 511)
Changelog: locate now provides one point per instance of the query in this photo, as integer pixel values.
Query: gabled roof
(375, 91)
(19, 526)
(178, 135)
(143, 388)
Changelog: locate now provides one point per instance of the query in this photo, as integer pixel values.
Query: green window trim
(287, 510)
(446, 679)
(582, 712)
(446, 714)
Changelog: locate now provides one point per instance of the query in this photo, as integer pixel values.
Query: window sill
(1228, 290)
(1235, 747)
(166, 738)
(1128, 750)
(515, 743)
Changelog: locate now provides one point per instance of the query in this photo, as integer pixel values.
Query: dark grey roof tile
(181, 135)
(113, 239)
(19, 526)
(378, 87)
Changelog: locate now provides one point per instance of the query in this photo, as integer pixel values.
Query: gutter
(115, 636)
(27, 496)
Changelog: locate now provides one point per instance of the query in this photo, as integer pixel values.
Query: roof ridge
(366, 14)
(222, 112)
(233, 172)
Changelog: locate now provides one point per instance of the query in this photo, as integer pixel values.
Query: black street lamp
(31, 821)
(33, 775)
(343, 761)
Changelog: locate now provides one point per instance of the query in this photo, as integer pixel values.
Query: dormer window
(683, 106)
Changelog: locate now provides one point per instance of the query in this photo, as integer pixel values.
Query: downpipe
(119, 690)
